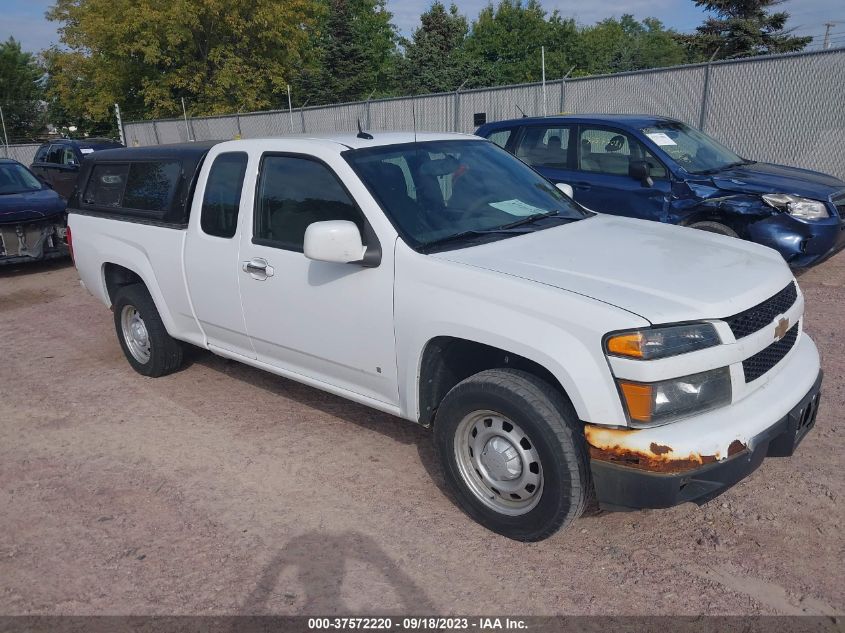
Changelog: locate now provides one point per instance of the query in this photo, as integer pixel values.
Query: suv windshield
(440, 193)
(692, 150)
(16, 178)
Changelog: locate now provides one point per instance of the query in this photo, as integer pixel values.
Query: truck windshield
(440, 194)
(692, 150)
(16, 178)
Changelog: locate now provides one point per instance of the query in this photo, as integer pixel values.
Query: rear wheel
(513, 453)
(714, 227)
(148, 347)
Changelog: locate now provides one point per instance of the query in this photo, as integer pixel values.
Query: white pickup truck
(557, 353)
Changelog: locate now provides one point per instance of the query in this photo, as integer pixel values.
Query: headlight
(661, 402)
(662, 342)
(795, 206)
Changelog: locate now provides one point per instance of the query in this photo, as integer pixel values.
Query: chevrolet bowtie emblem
(781, 329)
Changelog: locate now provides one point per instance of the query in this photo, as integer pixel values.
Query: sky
(24, 19)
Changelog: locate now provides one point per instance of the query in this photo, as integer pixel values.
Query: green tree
(221, 56)
(354, 53)
(741, 28)
(506, 39)
(435, 58)
(625, 44)
(21, 92)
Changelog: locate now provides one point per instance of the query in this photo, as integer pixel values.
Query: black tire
(714, 227)
(165, 352)
(548, 420)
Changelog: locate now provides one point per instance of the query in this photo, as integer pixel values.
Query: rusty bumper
(626, 480)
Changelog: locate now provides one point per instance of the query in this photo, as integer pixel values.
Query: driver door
(328, 322)
(603, 183)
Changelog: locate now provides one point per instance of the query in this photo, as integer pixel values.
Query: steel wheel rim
(135, 334)
(499, 463)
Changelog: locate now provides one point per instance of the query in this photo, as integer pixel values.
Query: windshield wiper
(714, 170)
(529, 219)
(505, 228)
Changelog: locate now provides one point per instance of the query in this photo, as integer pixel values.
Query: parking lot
(223, 489)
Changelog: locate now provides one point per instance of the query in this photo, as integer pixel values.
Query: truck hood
(660, 272)
(760, 178)
(30, 206)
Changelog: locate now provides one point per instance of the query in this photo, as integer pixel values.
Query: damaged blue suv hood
(761, 178)
(30, 206)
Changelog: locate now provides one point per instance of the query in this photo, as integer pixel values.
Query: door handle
(583, 185)
(258, 268)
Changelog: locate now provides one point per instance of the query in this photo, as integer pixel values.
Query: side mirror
(566, 189)
(639, 170)
(337, 241)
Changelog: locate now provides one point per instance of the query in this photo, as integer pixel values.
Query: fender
(736, 211)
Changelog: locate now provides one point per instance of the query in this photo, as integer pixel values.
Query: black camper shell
(151, 185)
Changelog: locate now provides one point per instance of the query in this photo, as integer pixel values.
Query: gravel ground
(225, 490)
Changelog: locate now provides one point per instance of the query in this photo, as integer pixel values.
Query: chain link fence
(21, 153)
(787, 109)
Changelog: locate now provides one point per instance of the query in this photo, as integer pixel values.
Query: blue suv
(656, 168)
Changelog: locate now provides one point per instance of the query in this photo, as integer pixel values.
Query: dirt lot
(222, 489)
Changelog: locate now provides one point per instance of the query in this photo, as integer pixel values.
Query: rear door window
(222, 196)
(546, 146)
(501, 137)
(55, 154)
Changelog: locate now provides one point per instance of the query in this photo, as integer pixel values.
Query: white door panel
(330, 322)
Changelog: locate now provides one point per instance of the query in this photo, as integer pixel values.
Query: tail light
(69, 240)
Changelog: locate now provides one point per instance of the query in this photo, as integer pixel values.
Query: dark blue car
(656, 168)
(32, 217)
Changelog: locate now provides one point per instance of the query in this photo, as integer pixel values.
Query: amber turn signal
(638, 398)
(626, 345)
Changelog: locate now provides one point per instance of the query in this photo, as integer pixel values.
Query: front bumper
(621, 487)
(802, 244)
(35, 241)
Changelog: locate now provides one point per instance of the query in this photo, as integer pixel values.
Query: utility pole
(457, 122)
(119, 124)
(185, 114)
(290, 111)
(5, 136)
(543, 63)
(827, 27)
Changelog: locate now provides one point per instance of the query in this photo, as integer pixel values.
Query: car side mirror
(336, 241)
(639, 170)
(44, 182)
(566, 189)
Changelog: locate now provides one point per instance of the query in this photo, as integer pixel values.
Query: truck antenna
(362, 134)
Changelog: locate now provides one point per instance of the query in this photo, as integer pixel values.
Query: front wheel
(513, 453)
(714, 227)
(148, 347)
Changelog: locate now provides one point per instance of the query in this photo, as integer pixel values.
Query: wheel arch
(735, 212)
(447, 360)
(117, 275)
